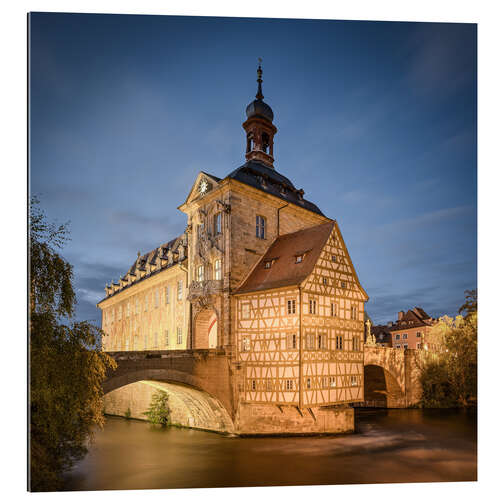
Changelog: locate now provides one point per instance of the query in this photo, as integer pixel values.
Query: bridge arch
(381, 387)
(384, 377)
(189, 405)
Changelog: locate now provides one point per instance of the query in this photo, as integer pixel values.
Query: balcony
(204, 288)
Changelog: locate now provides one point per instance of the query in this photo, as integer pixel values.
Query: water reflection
(388, 446)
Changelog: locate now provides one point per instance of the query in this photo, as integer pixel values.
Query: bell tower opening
(259, 127)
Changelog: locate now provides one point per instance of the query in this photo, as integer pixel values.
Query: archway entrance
(205, 330)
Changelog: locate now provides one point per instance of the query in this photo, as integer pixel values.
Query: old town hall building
(261, 274)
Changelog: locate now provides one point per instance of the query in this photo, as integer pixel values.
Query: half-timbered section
(300, 322)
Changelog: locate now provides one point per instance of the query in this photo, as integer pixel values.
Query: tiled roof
(260, 176)
(411, 319)
(284, 270)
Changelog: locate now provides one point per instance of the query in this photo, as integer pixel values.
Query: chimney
(400, 315)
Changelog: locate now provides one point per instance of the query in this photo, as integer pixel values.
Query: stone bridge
(198, 383)
(392, 376)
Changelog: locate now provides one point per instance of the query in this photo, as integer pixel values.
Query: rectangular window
(405, 346)
(245, 310)
(291, 306)
(322, 342)
(289, 384)
(324, 382)
(310, 341)
(333, 309)
(355, 343)
(167, 295)
(260, 227)
(325, 281)
(419, 334)
(179, 335)
(308, 383)
(343, 284)
(339, 341)
(398, 346)
(398, 336)
(291, 341)
(354, 312)
(201, 273)
(334, 258)
(333, 382)
(179, 290)
(354, 380)
(157, 298)
(218, 269)
(245, 344)
(218, 223)
(254, 385)
(419, 346)
(312, 306)
(405, 335)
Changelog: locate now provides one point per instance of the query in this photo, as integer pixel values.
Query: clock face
(203, 186)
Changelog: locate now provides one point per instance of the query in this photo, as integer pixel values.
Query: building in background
(413, 330)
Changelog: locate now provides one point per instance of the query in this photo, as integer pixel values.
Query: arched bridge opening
(188, 406)
(198, 384)
(381, 388)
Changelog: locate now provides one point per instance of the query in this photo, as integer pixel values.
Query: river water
(388, 446)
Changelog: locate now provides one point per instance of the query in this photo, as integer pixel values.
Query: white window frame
(260, 227)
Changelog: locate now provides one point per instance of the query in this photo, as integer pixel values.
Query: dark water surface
(389, 446)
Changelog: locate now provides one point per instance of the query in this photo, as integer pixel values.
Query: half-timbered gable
(299, 329)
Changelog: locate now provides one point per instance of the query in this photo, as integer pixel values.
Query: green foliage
(436, 390)
(66, 366)
(159, 412)
(450, 380)
(128, 414)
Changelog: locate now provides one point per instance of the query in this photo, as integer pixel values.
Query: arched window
(265, 142)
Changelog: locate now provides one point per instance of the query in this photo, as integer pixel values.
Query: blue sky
(376, 122)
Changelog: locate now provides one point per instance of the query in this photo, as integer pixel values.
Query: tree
(451, 378)
(66, 365)
(159, 412)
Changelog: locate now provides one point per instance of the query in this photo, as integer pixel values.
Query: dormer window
(299, 259)
(269, 263)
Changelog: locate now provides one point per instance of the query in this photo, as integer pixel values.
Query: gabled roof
(284, 270)
(260, 176)
(412, 318)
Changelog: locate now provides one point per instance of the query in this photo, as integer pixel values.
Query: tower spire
(259, 94)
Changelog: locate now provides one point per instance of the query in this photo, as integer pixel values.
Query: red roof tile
(284, 270)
